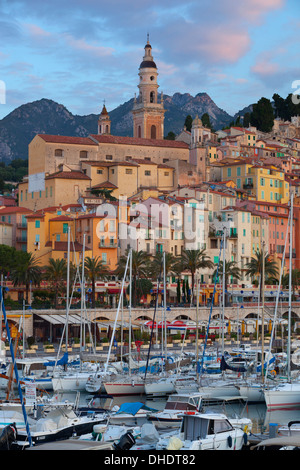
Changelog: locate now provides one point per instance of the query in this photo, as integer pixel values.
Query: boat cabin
(184, 402)
(200, 426)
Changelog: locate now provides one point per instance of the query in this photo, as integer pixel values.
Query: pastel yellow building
(99, 233)
(267, 183)
(47, 235)
(63, 187)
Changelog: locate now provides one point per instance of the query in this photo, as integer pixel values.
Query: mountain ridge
(46, 116)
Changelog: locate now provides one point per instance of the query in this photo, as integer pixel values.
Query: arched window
(152, 96)
(153, 132)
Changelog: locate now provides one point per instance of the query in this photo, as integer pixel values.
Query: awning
(59, 319)
(115, 290)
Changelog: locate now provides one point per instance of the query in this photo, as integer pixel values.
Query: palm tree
(156, 265)
(255, 266)
(140, 268)
(26, 271)
(231, 269)
(95, 269)
(295, 280)
(56, 273)
(192, 260)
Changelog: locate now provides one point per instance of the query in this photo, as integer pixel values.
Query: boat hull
(285, 397)
(124, 388)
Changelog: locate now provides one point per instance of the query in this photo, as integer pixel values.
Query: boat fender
(245, 437)
(229, 441)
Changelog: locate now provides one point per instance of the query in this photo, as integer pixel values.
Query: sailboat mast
(82, 295)
(130, 302)
(68, 291)
(164, 325)
(290, 289)
(263, 313)
(223, 288)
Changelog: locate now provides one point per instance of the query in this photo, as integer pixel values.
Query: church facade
(55, 158)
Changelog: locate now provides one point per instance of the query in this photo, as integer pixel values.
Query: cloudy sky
(80, 53)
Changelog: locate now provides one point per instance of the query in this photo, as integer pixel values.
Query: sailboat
(72, 378)
(129, 384)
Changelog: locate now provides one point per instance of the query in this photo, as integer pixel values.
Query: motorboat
(60, 422)
(176, 404)
(290, 429)
(204, 431)
(130, 414)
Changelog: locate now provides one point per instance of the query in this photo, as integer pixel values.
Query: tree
(140, 269)
(255, 267)
(262, 115)
(156, 265)
(295, 280)
(188, 122)
(192, 260)
(231, 269)
(26, 271)
(170, 136)
(95, 269)
(206, 121)
(56, 273)
(246, 120)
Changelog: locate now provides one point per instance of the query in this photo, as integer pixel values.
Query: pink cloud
(224, 45)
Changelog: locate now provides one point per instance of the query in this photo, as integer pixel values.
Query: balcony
(21, 240)
(248, 185)
(108, 245)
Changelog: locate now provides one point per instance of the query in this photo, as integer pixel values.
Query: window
(83, 154)
(147, 173)
(104, 258)
(99, 172)
(238, 171)
(37, 238)
(58, 153)
(129, 171)
(65, 228)
(58, 237)
(166, 173)
(228, 171)
(109, 157)
(37, 224)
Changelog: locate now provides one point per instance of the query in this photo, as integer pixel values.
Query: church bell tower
(148, 112)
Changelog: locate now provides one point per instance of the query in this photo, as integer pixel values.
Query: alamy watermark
(296, 94)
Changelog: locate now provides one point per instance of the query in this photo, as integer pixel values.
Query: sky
(84, 53)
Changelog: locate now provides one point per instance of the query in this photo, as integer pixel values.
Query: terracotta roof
(74, 175)
(64, 139)
(63, 246)
(105, 184)
(61, 218)
(111, 139)
(14, 209)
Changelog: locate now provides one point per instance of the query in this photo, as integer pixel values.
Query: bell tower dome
(104, 122)
(148, 112)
